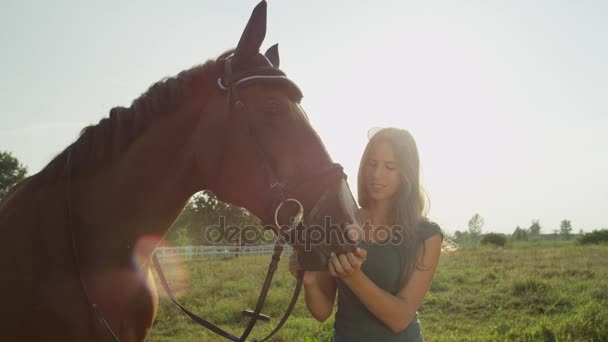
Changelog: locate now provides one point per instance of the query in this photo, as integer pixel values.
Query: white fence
(187, 253)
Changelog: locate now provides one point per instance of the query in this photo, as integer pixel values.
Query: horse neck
(142, 194)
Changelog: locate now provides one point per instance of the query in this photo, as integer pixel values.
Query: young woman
(381, 287)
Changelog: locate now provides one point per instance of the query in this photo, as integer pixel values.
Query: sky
(507, 100)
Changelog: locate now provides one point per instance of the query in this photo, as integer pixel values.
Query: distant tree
(11, 172)
(458, 236)
(596, 237)
(564, 229)
(496, 239)
(535, 228)
(581, 232)
(205, 211)
(520, 234)
(475, 224)
(555, 234)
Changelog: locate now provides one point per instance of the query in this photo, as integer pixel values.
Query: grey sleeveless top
(353, 322)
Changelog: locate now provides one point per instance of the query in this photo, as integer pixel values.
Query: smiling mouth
(378, 186)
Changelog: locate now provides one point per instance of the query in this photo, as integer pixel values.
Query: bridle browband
(280, 189)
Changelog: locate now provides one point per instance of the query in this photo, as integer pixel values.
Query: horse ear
(253, 35)
(273, 55)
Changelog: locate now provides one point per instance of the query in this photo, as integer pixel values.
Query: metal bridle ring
(221, 85)
(296, 219)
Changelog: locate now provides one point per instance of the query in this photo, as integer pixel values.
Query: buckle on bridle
(297, 219)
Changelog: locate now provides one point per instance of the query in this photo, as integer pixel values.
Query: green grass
(548, 292)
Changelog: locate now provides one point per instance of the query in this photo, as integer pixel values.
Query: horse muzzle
(331, 225)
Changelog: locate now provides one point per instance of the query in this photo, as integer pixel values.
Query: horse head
(273, 162)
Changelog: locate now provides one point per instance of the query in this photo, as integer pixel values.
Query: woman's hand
(294, 266)
(346, 265)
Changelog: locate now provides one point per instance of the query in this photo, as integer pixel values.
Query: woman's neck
(379, 212)
(377, 228)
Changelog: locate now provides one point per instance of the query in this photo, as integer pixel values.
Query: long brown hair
(408, 212)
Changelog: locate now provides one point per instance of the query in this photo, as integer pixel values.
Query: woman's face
(382, 172)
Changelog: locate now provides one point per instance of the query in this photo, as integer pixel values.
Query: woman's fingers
(353, 260)
(332, 270)
(361, 253)
(336, 262)
(345, 263)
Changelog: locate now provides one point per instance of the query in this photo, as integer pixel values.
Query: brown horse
(70, 232)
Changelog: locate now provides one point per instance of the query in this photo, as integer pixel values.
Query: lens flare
(172, 260)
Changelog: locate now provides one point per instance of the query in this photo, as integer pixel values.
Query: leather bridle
(280, 189)
(230, 83)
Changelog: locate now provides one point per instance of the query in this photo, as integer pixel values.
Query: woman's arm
(396, 311)
(319, 290)
(320, 295)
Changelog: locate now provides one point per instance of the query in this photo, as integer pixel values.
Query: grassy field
(542, 292)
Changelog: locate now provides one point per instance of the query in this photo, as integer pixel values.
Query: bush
(596, 236)
(496, 239)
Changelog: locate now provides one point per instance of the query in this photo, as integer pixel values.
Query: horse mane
(99, 145)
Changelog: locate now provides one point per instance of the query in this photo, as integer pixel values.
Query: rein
(75, 255)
